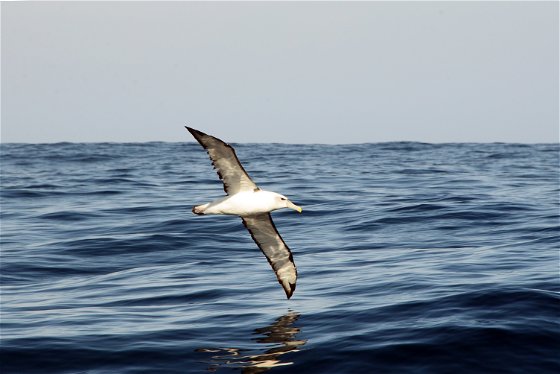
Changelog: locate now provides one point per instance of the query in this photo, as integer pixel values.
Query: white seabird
(252, 204)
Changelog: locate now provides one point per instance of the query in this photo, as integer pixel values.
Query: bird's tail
(199, 209)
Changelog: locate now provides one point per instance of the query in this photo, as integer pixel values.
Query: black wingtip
(194, 132)
(290, 291)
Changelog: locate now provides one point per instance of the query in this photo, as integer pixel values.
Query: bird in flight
(252, 204)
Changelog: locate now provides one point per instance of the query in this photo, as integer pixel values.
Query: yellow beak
(294, 207)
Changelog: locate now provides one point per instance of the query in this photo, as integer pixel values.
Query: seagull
(246, 200)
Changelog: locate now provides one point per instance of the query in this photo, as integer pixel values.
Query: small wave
(70, 216)
(418, 207)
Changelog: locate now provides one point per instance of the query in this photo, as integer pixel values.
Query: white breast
(244, 204)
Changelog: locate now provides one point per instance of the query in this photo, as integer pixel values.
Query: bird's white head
(281, 201)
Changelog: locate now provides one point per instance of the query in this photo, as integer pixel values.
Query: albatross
(245, 199)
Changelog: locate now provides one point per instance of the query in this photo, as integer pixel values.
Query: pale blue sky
(313, 72)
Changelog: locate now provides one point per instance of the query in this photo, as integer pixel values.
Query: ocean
(412, 258)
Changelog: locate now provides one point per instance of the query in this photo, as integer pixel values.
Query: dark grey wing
(224, 159)
(278, 254)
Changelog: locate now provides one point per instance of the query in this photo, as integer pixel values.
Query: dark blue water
(412, 258)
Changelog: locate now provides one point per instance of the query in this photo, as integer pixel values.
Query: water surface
(412, 257)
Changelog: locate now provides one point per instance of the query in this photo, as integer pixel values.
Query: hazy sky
(313, 72)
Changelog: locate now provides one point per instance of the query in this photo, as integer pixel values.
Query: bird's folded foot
(198, 210)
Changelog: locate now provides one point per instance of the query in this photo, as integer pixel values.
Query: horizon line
(280, 143)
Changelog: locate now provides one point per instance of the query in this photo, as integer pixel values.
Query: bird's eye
(282, 198)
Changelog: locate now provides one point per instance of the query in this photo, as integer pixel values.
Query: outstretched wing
(224, 159)
(278, 254)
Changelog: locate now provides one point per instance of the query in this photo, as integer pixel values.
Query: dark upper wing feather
(224, 159)
(270, 242)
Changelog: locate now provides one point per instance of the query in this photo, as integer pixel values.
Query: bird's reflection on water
(280, 338)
